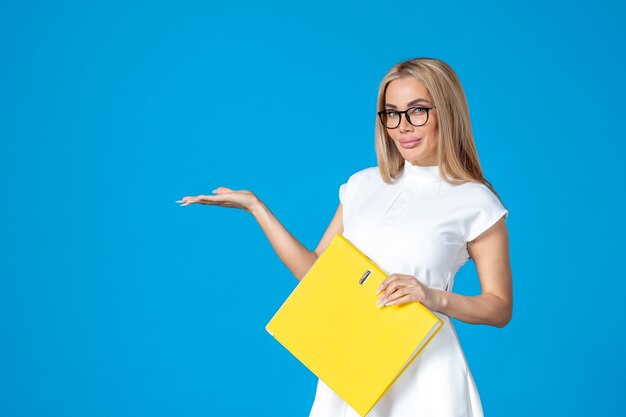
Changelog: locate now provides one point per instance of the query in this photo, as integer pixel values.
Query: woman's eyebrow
(410, 103)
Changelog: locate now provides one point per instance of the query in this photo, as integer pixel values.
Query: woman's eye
(418, 110)
(391, 114)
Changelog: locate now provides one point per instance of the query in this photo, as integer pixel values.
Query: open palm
(225, 197)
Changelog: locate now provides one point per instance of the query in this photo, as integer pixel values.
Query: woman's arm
(494, 306)
(290, 251)
(293, 254)
(490, 252)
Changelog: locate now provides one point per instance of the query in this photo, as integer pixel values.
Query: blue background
(115, 301)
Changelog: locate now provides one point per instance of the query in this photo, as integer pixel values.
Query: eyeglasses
(417, 116)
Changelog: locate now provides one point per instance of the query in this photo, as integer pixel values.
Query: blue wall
(115, 301)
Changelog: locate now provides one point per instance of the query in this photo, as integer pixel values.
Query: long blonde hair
(456, 152)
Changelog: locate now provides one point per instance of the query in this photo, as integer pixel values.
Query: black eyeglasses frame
(406, 115)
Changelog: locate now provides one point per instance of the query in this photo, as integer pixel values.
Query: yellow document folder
(330, 323)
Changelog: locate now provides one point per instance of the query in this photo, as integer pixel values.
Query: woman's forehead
(407, 91)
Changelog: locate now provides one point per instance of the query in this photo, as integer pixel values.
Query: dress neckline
(422, 173)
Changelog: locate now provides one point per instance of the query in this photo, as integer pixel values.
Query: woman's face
(417, 144)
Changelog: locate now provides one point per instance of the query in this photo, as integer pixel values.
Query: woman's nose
(405, 126)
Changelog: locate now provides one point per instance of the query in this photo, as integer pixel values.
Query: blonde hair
(456, 152)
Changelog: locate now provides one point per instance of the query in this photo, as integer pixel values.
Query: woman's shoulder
(472, 188)
(359, 184)
(368, 174)
(474, 195)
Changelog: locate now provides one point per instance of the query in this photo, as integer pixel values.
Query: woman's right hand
(225, 197)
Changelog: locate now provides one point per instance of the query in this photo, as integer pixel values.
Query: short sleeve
(486, 212)
(353, 187)
(342, 194)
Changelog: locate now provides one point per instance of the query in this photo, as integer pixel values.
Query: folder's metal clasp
(364, 277)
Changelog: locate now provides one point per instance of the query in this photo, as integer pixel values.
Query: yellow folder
(330, 323)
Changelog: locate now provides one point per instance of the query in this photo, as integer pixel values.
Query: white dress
(419, 225)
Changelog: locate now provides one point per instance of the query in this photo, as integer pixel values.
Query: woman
(421, 213)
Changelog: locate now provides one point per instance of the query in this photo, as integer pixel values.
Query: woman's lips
(410, 143)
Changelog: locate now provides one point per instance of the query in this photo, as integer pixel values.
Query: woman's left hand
(402, 289)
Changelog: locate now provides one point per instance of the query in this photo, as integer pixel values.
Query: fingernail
(214, 191)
